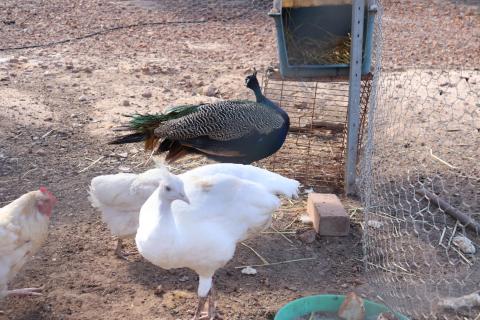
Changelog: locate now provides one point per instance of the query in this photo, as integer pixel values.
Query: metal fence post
(358, 12)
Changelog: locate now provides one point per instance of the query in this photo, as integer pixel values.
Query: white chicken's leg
(205, 290)
(25, 292)
(212, 305)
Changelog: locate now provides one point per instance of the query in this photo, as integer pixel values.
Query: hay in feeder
(313, 45)
(329, 49)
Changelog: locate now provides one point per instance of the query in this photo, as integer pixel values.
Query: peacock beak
(184, 198)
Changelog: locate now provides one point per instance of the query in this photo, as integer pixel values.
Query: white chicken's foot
(25, 292)
(212, 304)
(201, 304)
(211, 313)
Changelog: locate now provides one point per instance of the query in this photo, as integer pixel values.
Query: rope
(105, 31)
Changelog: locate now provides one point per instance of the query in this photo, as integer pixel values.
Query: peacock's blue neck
(265, 101)
(259, 95)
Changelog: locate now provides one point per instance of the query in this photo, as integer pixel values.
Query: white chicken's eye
(168, 188)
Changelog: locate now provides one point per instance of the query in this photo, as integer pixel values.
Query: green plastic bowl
(325, 303)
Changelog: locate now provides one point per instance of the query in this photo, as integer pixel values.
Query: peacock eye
(168, 188)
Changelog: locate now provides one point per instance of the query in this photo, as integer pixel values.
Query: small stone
(249, 271)
(87, 70)
(124, 169)
(306, 219)
(308, 236)
(183, 278)
(375, 224)
(82, 98)
(291, 288)
(123, 154)
(352, 308)
(147, 94)
(386, 316)
(40, 152)
(308, 191)
(125, 103)
(210, 91)
(464, 244)
(159, 291)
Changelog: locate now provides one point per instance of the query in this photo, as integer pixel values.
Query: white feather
(223, 210)
(120, 196)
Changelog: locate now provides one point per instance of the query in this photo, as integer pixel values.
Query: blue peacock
(234, 131)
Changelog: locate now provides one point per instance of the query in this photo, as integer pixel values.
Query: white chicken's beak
(184, 198)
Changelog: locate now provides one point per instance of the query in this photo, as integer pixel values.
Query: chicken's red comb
(44, 190)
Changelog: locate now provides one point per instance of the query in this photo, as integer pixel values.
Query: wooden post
(358, 12)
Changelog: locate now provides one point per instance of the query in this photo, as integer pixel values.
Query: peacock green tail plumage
(144, 125)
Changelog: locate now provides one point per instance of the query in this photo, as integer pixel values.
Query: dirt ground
(58, 105)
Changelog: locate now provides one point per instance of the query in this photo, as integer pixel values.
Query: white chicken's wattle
(23, 230)
(202, 235)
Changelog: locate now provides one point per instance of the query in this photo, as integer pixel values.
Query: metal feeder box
(313, 37)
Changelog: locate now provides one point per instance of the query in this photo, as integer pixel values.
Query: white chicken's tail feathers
(92, 198)
(107, 190)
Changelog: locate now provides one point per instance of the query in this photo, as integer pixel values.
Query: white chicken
(120, 196)
(201, 232)
(23, 230)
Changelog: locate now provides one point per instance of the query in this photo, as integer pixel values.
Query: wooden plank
(313, 3)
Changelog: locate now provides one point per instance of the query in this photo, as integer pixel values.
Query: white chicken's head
(171, 188)
(45, 201)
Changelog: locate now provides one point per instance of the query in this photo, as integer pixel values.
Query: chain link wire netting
(421, 136)
(419, 170)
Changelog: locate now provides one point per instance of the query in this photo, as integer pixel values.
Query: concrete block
(328, 214)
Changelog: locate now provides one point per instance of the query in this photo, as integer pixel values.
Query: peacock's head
(251, 81)
(171, 188)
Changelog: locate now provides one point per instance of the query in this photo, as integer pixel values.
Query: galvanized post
(358, 12)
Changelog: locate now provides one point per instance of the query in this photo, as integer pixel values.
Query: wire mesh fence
(419, 143)
(420, 179)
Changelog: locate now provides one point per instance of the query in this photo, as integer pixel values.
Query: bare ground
(58, 105)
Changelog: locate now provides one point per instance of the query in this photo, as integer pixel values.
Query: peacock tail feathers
(144, 125)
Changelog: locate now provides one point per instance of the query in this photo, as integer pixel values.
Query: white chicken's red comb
(45, 191)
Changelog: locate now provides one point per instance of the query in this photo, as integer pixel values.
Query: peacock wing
(223, 121)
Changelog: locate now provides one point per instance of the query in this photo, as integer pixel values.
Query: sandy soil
(58, 105)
